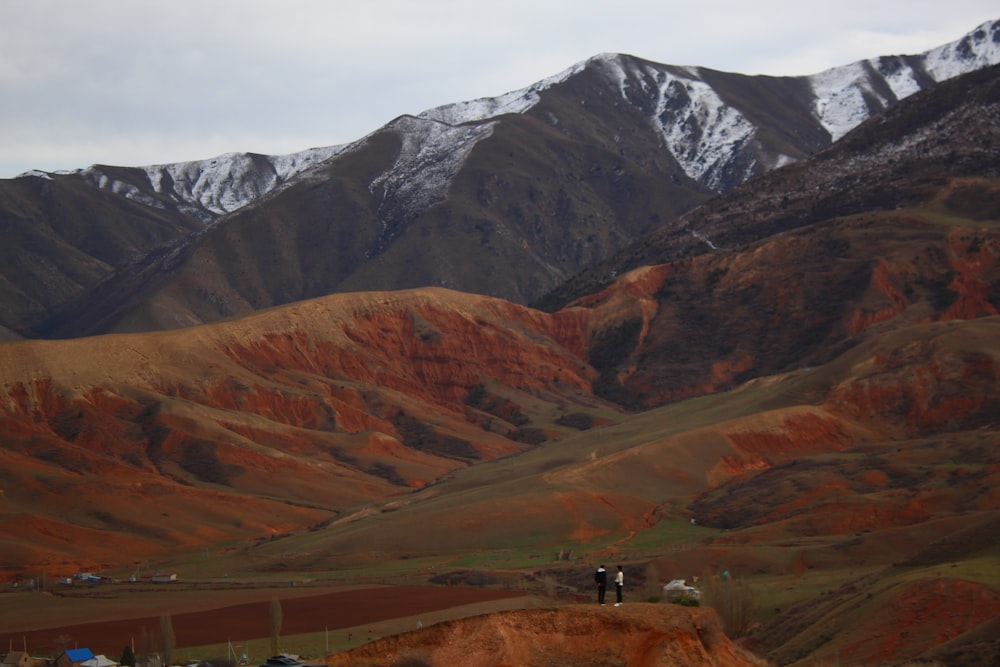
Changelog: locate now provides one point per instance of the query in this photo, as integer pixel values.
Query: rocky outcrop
(634, 635)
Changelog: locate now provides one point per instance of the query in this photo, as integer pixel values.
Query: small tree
(62, 642)
(144, 647)
(732, 600)
(275, 627)
(550, 585)
(652, 587)
(167, 640)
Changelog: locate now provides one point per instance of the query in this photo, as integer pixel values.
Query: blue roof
(79, 654)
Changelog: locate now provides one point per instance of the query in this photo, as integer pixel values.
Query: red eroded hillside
(637, 635)
(296, 416)
(902, 434)
(919, 617)
(708, 323)
(278, 421)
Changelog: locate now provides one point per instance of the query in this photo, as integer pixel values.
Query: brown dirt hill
(919, 617)
(758, 462)
(695, 326)
(884, 621)
(634, 635)
(922, 404)
(254, 427)
(297, 416)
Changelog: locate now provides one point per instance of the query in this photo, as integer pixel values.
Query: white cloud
(136, 83)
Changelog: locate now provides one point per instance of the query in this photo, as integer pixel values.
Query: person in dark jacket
(601, 578)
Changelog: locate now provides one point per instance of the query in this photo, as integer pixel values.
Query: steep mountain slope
(61, 237)
(505, 196)
(926, 171)
(889, 163)
(64, 233)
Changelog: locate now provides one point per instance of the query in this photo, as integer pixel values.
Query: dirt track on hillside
(315, 613)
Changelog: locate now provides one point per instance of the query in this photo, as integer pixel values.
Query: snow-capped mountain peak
(205, 189)
(713, 139)
(847, 95)
(485, 108)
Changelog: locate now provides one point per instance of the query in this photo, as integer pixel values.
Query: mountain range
(762, 339)
(507, 196)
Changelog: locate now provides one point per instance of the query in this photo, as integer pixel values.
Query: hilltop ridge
(508, 196)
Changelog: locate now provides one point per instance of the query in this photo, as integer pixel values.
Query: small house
(17, 659)
(164, 577)
(74, 657)
(99, 661)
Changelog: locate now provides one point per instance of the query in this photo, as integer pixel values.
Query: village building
(74, 657)
(99, 660)
(17, 659)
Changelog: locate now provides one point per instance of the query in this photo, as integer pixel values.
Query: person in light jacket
(619, 583)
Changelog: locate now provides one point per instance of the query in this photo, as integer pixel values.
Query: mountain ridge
(438, 198)
(842, 95)
(792, 198)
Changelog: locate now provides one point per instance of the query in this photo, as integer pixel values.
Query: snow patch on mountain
(702, 133)
(431, 155)
(99, 178)
(485, 108)
(36, 173)
(436, 143)
(979, 49)
(699, 129)
(840, 98)
(205, 189)
(848, 95)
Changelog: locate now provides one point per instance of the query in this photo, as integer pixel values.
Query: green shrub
(686, 601)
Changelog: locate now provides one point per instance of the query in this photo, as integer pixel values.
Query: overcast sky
(134, 82)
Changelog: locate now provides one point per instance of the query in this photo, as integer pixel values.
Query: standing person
(601, 578)
(619, 583)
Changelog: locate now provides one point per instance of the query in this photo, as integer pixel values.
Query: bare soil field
(247, 620)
